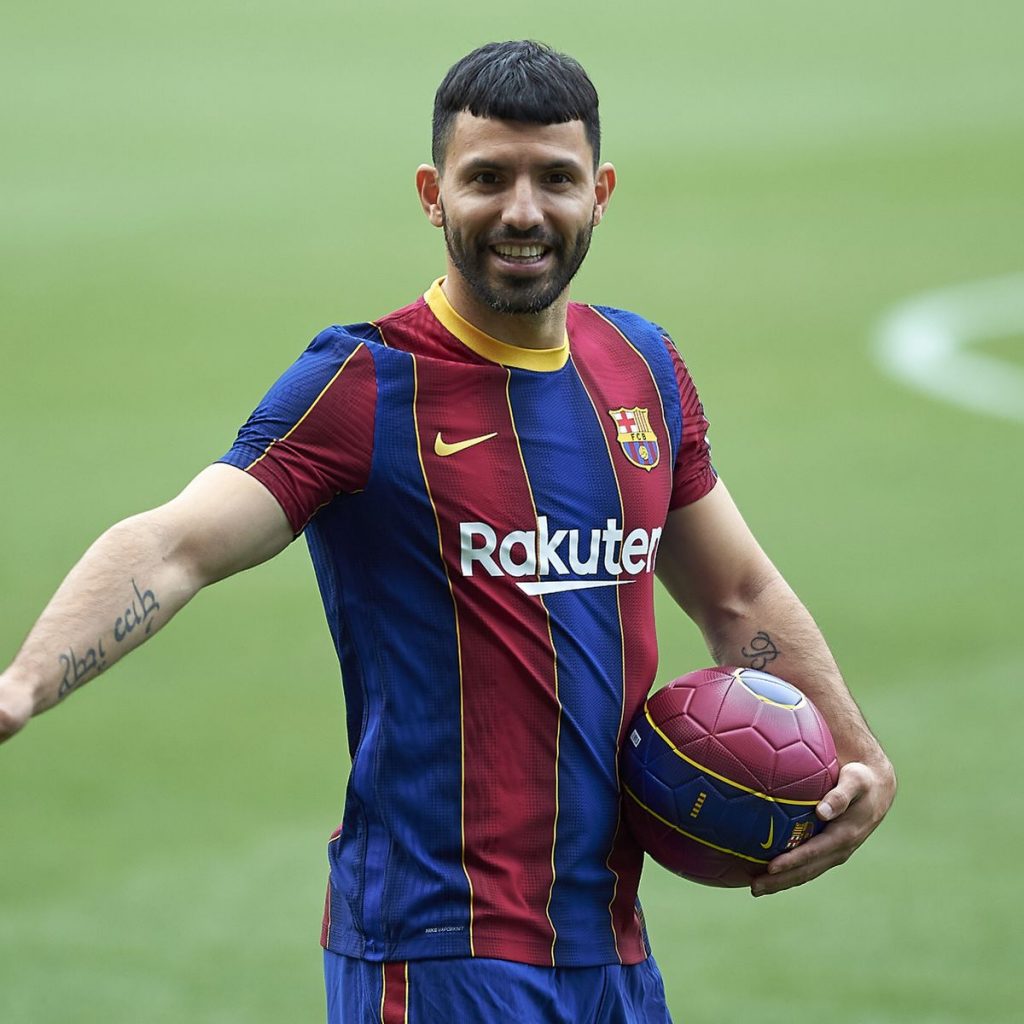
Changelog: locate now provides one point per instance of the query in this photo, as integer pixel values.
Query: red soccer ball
(721, 772)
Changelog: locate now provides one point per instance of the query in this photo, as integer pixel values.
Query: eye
(559, 178)
(485, 178)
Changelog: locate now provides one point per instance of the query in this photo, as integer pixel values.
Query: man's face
(518, 203)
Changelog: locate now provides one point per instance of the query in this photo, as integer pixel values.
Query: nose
(522, 210)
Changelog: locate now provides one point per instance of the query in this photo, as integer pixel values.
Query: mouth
(520, 254)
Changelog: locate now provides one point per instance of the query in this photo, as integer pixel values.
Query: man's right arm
(133, 579)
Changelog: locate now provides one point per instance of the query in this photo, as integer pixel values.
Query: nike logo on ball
(767, 844)
(443, 448)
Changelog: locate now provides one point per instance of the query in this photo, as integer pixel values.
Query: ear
(428, 186)
(604, 186)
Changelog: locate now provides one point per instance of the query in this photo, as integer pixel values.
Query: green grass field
(189, 192)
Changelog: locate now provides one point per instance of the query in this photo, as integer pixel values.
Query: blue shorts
(479, 991)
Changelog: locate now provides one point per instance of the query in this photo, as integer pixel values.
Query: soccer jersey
(484, 523)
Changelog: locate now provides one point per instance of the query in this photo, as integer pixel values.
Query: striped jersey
(484, 523)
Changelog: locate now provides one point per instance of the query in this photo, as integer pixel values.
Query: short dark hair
(520, 80)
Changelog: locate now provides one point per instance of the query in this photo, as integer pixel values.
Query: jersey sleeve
(311, 438)
(693, 475)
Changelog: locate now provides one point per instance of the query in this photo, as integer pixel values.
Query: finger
(824, 844)
(853, 782)
(767, 885)
(827, 850)
(9, 724)
(857, 812)
(15, 709)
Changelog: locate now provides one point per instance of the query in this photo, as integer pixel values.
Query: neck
(545, 329)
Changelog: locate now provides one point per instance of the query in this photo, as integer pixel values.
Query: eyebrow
(481, 164)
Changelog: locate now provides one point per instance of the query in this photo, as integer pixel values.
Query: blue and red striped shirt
(484, 522)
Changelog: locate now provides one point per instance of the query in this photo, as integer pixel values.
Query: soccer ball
(721, 772)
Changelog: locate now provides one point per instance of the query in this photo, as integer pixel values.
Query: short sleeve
(693, 475)
(311, 438)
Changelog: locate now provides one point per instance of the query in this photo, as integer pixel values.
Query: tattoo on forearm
(78, 670)
(762, 650)
(139, 613)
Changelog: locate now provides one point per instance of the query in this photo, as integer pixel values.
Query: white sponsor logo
(572, 557)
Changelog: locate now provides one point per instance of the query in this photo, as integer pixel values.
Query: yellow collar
(544, 359)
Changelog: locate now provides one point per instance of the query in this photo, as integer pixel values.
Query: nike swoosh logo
(443, 448)
(767, 844)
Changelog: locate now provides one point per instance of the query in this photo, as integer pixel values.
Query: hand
(853, 810)
(16, 707)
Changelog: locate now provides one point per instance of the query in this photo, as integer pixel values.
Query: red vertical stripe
(694, 475)
(615, 376)
(510, 710)
(328, 450)
(393, 999)
(325, 924)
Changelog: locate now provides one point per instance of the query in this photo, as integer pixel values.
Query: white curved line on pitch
(924, 342)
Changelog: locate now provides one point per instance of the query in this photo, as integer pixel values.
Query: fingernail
(825, 811)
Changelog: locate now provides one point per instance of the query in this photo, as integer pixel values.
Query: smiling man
(488, 480)
(520, 203)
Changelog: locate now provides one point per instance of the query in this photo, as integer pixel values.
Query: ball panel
(770, 688)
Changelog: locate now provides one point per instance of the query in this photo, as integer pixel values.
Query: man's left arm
(716, 571)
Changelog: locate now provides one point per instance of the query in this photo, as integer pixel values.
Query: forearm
(133, 580)
(124, 589)
(750, 617)
(770, 629)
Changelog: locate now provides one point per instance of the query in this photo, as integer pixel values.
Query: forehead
(481, 139)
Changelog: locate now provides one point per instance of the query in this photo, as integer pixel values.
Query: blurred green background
(189, 192)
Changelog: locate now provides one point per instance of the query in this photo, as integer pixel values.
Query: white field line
(925, 343)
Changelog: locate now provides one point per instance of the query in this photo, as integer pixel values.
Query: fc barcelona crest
(638, 440)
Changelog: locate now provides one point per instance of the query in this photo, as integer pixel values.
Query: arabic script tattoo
(79, 669)
(139, 613)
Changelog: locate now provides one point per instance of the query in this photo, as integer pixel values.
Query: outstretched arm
(133, 579)
(715, 570)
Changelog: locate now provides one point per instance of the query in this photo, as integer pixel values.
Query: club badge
(638, 440)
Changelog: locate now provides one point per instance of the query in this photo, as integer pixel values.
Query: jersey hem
(355, 947)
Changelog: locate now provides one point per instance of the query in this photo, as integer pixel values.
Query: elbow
(742, 601)
(154, 541)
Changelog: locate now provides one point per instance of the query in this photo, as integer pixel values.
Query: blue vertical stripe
(566, 458)
(396, 870)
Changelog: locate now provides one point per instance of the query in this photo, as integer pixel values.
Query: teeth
(519, 251)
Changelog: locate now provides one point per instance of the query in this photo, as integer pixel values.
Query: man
(487, 479)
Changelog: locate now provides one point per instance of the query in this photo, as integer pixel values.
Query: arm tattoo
(762, 650)
(139, 613)
(78, 670)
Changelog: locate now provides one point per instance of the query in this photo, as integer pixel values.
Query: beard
(511, 294)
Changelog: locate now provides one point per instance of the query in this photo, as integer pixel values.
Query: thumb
(847, 790)
(15, 710)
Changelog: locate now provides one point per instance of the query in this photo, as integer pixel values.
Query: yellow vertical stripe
(458, 644)
(622, 657)
(554, 655)
(380, 333)
(406, 992)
